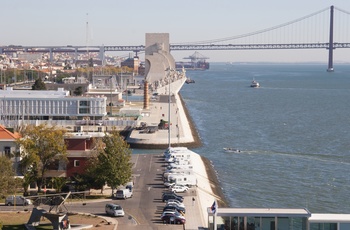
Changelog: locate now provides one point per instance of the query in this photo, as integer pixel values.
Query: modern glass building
(275, 219)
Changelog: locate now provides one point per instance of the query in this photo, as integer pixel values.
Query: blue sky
(116, 22)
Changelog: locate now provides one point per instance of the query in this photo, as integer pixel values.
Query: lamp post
(111, 100)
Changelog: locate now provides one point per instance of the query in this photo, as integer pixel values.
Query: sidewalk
(180, 130)
(194, 216)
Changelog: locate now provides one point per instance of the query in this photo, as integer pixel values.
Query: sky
(117, 22)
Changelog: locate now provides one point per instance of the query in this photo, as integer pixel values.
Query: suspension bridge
(324, 29)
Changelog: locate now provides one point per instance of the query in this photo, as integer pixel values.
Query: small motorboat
(232, 150)
(255, 84)
(189, 80)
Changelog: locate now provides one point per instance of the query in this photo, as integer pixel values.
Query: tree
(92, 177)
(114, 164)
(39, 85)
(58, 183)
(42, 146)
(78, 91)
(27, 180)
(7, 179)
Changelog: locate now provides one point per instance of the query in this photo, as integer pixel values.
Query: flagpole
(214, 222)
(214, 209)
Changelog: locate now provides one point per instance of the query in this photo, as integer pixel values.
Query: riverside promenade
(182, 133)
(182, 130)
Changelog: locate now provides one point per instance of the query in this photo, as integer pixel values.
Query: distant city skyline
(108, 22)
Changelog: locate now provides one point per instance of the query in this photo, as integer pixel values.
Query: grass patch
(16, 221)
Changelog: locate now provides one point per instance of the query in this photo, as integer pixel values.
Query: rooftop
(262, 212)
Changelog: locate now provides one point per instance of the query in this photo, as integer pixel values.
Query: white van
(124, 193)
(175, 166)
(181, 155)
(181, 179)
(167, 175)
(179, 162)
(171, 150)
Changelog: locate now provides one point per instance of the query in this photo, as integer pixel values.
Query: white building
(48, 105)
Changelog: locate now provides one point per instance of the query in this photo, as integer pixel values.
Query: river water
(293, 133)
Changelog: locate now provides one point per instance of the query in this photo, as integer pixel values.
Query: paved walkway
(180, 131)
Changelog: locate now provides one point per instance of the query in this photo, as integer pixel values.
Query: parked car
(171, 212)
(114, 210)
(181, 210)
(177, 188)
(170, 193)
(17, 200)
(178, 203)
(180, 185)
(168, 196)
(170, 218)
(169, 184)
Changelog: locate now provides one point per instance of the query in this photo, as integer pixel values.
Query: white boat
(255, 84)
(232, 150)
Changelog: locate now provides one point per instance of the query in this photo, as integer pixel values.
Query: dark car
(170, 193)
(181, 210)
(168, 196)
(173, 218)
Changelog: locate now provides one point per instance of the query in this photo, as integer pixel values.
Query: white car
(17, 200)
(114, 210)
(178, 185)
(29, 201)
(175, 202)
(169, 184)
(177, 188)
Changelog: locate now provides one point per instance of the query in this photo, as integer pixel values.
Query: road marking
(137, 158)
(150, 163)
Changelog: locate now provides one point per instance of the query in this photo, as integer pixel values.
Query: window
(7, 151)
(84, 103)
(32, 185)
(76, 163)
(84, 110)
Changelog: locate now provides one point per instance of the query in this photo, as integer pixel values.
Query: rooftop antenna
(87, 35)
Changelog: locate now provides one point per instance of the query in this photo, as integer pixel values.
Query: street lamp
(111, 100)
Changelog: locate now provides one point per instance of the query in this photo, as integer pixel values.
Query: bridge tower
(330, 47)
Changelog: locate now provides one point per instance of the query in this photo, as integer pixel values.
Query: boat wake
(314, 156)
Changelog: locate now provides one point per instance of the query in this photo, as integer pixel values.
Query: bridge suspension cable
(253, 33)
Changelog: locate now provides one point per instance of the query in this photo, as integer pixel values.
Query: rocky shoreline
(215, 183)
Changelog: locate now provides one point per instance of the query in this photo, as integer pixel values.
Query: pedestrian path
(194, 217)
